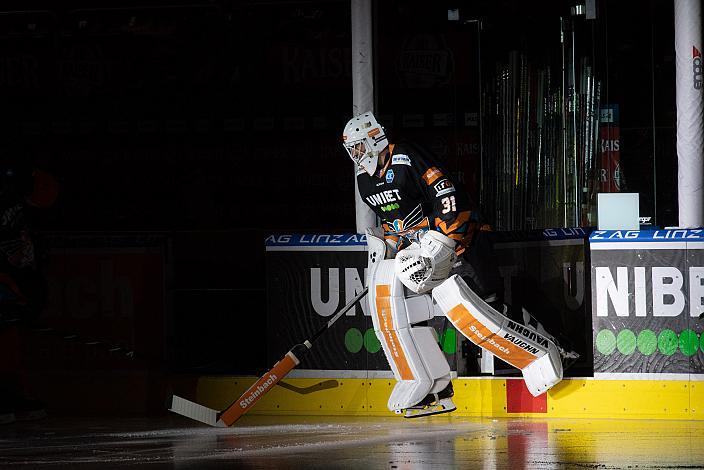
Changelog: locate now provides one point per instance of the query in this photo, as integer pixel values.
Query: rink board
(647, 339)
(310, 276)
(476, 396)
(647, 294)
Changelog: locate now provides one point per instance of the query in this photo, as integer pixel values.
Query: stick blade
(195, 411)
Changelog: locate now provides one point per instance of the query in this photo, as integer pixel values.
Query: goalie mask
(364, 139)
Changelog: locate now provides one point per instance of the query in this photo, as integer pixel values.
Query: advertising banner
(647, 295)
(110, 290)
(311, 276)
(543, 273)
(309, 279)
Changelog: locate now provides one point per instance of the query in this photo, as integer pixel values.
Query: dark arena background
(178, 212)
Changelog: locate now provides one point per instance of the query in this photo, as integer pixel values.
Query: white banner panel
(688, 52)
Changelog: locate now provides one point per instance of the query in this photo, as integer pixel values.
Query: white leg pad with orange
(521, 346)
(416, 360)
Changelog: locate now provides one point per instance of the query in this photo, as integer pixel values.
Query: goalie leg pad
(520, 346)
(415, 358)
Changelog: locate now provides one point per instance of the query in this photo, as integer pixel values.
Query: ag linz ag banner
(309, 278)
(647, 296)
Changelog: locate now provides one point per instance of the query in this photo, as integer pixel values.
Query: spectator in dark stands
(23, 290)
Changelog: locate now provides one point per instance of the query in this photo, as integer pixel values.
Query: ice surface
(266, 442)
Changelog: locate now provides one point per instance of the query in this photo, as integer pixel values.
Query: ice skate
(433, 404)
(567, 355)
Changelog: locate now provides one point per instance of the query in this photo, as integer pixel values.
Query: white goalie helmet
(364, 139)
(423, 267)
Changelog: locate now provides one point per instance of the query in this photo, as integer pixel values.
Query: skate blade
(429, 410)
(569, 354)
(568, 359)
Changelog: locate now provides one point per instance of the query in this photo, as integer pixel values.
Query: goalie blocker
(535, 354)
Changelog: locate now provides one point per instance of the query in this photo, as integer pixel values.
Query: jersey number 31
(448, 204)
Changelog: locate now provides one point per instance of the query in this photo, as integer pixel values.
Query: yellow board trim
(475, 396)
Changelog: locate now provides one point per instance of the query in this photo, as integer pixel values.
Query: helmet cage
(363, 139)
(356, 150)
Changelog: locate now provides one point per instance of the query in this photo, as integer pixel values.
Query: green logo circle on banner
(371, 342)
(647, 342)
(689, 343)
(353, 340)
(667, 342)
(626, 342)
(606, 342)
(448, 341)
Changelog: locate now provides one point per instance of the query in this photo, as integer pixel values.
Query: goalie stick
(266, 382)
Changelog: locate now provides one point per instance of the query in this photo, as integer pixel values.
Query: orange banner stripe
(480, 335)
(386, 324)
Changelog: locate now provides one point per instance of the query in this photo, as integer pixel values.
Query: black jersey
(16, 247)
(414, 195)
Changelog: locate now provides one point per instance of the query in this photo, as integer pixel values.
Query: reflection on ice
(347, 442)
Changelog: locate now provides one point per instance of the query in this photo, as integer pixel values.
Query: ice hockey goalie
(426, 252)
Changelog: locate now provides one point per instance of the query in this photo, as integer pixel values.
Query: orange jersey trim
(462, 218)
(432, 175)
(386, 326)
(393, 238)
(389, 231)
